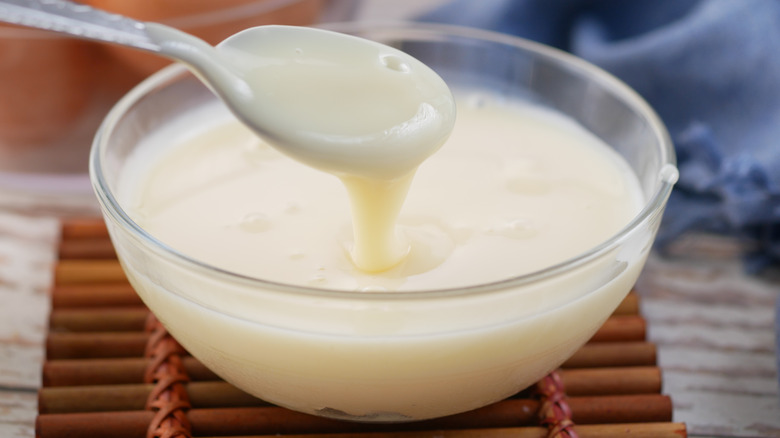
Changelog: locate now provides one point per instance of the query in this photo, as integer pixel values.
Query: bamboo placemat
(112, 370)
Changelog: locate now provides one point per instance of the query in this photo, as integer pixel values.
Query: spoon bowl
(283, 81)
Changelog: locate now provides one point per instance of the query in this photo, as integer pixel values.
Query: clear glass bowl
(56, 90)
(427, 353)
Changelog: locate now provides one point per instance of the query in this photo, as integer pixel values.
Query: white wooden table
(714, 327)
(26, 253)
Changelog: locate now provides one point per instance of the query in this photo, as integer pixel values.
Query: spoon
(339, 103)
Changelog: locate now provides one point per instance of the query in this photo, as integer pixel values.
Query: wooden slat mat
(112, 370)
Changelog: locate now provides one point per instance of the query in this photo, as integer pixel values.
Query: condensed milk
(248, 256)
(516, 189)
(357, 109)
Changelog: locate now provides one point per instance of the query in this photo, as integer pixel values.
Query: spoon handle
(77, 20)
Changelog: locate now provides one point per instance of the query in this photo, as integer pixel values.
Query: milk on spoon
(357, 109)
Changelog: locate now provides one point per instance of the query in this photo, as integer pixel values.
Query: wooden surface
(712, 323)
(96, 340)
(714, 326)
(26, 254)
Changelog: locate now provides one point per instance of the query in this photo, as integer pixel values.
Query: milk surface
(516, 189)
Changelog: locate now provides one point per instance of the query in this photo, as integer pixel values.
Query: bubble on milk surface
(292, 208)
(395, 63)
(515, 228)
(318, 280)
(255, 222)
(297, 254)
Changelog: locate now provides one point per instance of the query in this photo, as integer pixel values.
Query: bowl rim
(653, 206)
(248, 8)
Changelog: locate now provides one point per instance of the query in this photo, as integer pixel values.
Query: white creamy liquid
(516, 189)
(352, 107)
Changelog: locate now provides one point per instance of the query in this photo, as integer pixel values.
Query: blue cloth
(710, 68)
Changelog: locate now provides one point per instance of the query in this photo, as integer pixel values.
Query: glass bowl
(56, 90)
(397, 356)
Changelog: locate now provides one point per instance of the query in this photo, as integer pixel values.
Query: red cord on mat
(554, 411)
(168, 399)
